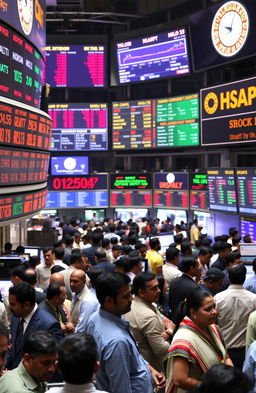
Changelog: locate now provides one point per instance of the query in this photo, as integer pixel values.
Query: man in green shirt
(37, 366)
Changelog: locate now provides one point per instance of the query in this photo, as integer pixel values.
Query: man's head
(56, 294)
(59, 253)
(114, 293)
(135, 264)
(186, 249)
(69, 240)
(100, 255)
(79, 261)
(205, 255)
(4, 341)
(77, 237)
(40, 355)
(22, 298)
(57, 277)
(78, 358)
(17, 275)
(30, 276)
(237, 274)
(178, 239)
(94, 275)
(145, 285)
(48, 256)
(172, 255)
(154, 244)
(213, 279)
(77, 280)
(142, 248)
(116, 251)
(224, 249)
(247, 239)
(233, 258)
(190, 266)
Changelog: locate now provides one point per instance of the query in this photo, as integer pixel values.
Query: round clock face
(25, 10)
(230, 28)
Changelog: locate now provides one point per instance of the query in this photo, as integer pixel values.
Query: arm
(86, 310)
(251, 330)
(249, 364)
(158, 378)
(180, 374)
(152, 331)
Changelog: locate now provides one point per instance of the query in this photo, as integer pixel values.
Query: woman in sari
(196, 345)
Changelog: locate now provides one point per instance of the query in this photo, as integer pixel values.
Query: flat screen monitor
(131, 198)
(171, 190)
(77, 199)
(76, 65)
(32, 251)
(176, 216)
(83, 182)
(79, 127)
(248, 227)
(248, 252)
(69, 165)
(156, 123)
(199, 195)
(222, 190)
(136, 181)
(223, 33)
(165, 240)
(150, 57)
(99, 214)
(127, 214)
(246, 190)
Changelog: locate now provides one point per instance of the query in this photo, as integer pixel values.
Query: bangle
(169, 331)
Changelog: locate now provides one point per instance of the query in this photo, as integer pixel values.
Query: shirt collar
(235, 286)
(172, 265)
(79, 388)
(111, 317)
(29, 316)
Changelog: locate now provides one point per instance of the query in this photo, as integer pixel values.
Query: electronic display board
(157, 123)
(223, 33)
(21, 68)
(171, 190)
(77, 199)
(222, 190)
(24, 126)
(20, 166)
(90, 182)
(79, 127)
(75, 165)
(156, 56)
(248, 227)
(27, 17)
(22, 204)
(76, 65)
(246, 190)
(199, 195)
(130, 198)
(130, 181)
(228, 113)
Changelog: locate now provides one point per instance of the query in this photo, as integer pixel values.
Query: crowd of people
(107, 310)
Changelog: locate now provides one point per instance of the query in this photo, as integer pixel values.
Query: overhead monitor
(171, 190)
(199, 195)
(79, 127)
(154, 56)
(127, 214)
(156, 123)
(222, 190)
(131, 198)
(137, 181)
(69, 165)
(76, 65)
(248, 227)
(246, 190)
(175, 216)
(77, 199)
(76, 182)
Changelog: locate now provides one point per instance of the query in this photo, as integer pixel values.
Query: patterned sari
(190, 343)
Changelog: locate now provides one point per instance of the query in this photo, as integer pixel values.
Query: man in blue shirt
(250, 283)
(122, 368)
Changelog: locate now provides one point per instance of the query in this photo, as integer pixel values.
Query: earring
(195, 317)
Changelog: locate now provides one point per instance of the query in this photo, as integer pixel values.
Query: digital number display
(76, 65)
(157, 123)
(130, 181)
(222, 190)
(227, 113)
(77, 199)
(248, 227)
(246, 190)
(91, 182)
(24, 126)
(79, 127)
(21, 68)
(156, 56)
(199, 195)
(171, 190)
(22, 167)
(75, 165)
(18, 205)
(131, 198)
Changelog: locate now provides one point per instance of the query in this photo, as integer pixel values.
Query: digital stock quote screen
(156, 123)
(248, 227)
(79, 127)
(74, 165)
(246, 190)
(130, 181)
(171, 190)
(199, 195)
(77, 199)
(76, 65)
(222, 190)
(156, 56)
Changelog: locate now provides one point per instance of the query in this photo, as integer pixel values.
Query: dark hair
(232, 256)
(222, 246)
(213, 274)
(236, 240)
(178, 238)
(198, 243)
(69, 240)
(77, 234)
(77, 358)
(185, 246)
(224, 238)
(153, 242)
(171, 253)
(187, 263)
(46, 249)
(54, 290)
(141, 280)
(126, 249)
(23, 293)
(161, 281)
(4, 331)
(18, 271)
(222, 378)
(205, 251)
(8, 246)
(33, 261)
(232, 232)
(59, 252)
(134, 261)
(93, 275)
(116, 247)
(114, 240)
(58, 243)
(56, 269)
(109, 284)
(75, 257)
(134, 253)
(100, 253)
(20, 250)
(247, 239)
(237, 274)
(105, 242)
(30, 276)
(39, 343)
(123, 263)
(97, 238)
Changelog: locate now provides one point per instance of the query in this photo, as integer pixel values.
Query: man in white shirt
(234, 306)
(43, 270)
(170, 268)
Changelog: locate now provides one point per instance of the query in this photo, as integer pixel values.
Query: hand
(168, 324)
(69, 327)
(165, 336)
(158, 378)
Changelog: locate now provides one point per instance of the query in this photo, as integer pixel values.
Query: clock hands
(229, 28)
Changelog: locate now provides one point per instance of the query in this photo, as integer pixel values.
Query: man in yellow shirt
(155, 260)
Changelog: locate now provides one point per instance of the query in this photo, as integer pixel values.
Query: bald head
(77, 280)
(57, 278)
